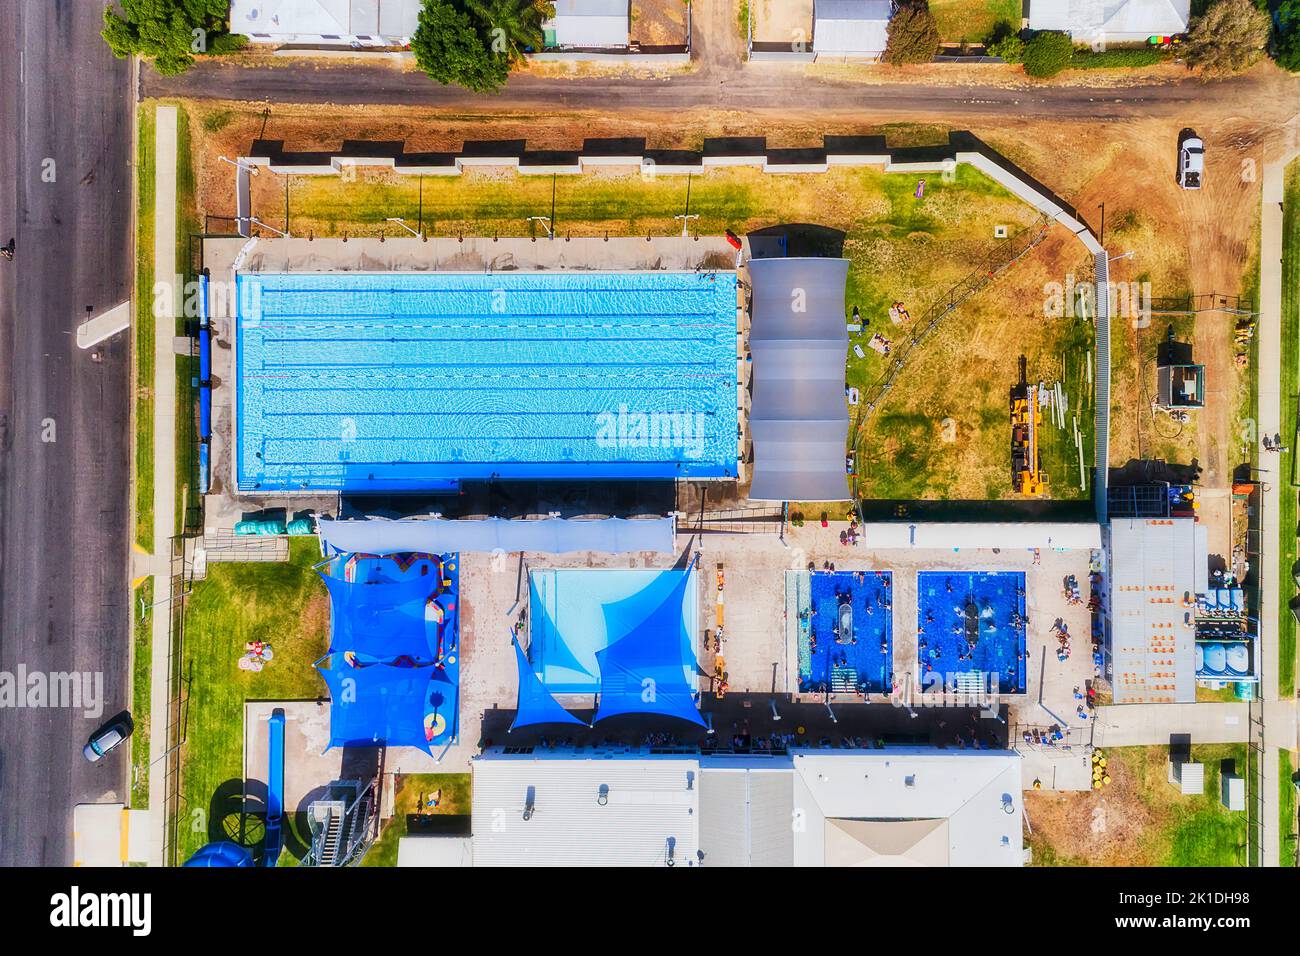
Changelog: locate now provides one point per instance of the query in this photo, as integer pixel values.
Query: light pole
(546, 224)
(686, 223)
(402, 223)
(146, 608)
(238, 165)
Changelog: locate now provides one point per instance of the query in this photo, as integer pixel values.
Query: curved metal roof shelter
(799, 341)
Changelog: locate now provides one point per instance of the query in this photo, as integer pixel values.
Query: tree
(1288, 35)
(170, 32)
(913, 36)
(1229, 37)
(1047, 53)
(450, 48)
(511, 26)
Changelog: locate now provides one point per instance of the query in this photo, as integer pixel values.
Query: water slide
(274, 789)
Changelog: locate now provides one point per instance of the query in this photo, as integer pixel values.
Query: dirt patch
(782, 21)
(659, 23)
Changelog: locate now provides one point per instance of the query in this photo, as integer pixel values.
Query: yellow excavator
(1026, 476)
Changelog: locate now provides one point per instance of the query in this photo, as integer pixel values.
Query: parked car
(107, 738)
(1191, 161)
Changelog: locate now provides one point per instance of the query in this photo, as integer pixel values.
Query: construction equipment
(1026, 476)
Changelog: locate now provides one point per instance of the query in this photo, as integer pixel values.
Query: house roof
(1116, 19)
(590, 23)
(342, 18)
(892, 807)
(851, 27)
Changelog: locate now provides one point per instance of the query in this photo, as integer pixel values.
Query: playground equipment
(1026, 476)
(342, 823)
(274, 788)
(223, 854)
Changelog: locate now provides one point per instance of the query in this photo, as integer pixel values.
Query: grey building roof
(1157, 567)
(798, 417)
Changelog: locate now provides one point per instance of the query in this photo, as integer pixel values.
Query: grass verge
(1290, 377)
(141, 661)
(973, 20)
(1286, 804)
(143, 328)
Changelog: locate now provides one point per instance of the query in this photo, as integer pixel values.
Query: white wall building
(588, 25)
(1111, 21)
(345, 23)
(893, 807)
(854, 29)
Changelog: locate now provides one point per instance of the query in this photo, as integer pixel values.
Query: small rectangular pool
(414, 381)
(972, 623)
(845, 632)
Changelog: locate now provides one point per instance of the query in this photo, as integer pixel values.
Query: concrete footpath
(1138, 725)
(164, 464)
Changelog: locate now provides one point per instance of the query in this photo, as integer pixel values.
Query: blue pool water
(863, 664)
(410, 381)
(999, 625)
(575, 612)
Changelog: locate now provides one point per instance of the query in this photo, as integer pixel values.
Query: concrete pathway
(1136, 725)
(164, 465)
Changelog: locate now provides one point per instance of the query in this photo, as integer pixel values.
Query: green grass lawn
(974, 20)
(187, 224)
(1286, 793)
(900, 248)
(141, 659)
(1141, 819)
(282, 604)
(1288, 486)
(142, 329)
(413, 814)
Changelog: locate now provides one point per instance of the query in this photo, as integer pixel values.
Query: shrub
(913, 36)
(1229, 37)
(1121, 57)
(1010, 48)
(1048, 53)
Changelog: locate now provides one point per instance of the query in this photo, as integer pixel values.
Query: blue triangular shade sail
(384, 621)
(379, 704)
(536, 704)
(644, 671)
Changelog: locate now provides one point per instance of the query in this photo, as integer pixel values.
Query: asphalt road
(758, 88)
(63, 503)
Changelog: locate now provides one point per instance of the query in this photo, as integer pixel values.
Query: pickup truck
(1191, 162)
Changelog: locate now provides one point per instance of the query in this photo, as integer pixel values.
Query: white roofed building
(854, 29)
(1113, 21)
(904, 806)
(588, 25)
(353, 23)
(1157, 568)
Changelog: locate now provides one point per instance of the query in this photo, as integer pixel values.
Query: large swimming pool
(972, 623)
(393, 381)
(845, 631)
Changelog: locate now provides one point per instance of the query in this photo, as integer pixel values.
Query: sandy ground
(659, 23)
(782, 21)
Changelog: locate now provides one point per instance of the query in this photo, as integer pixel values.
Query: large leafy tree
(1288, 35)
(913, 36)
(512, 26)
(170, 32)
(1228, 38)
(449, 47)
